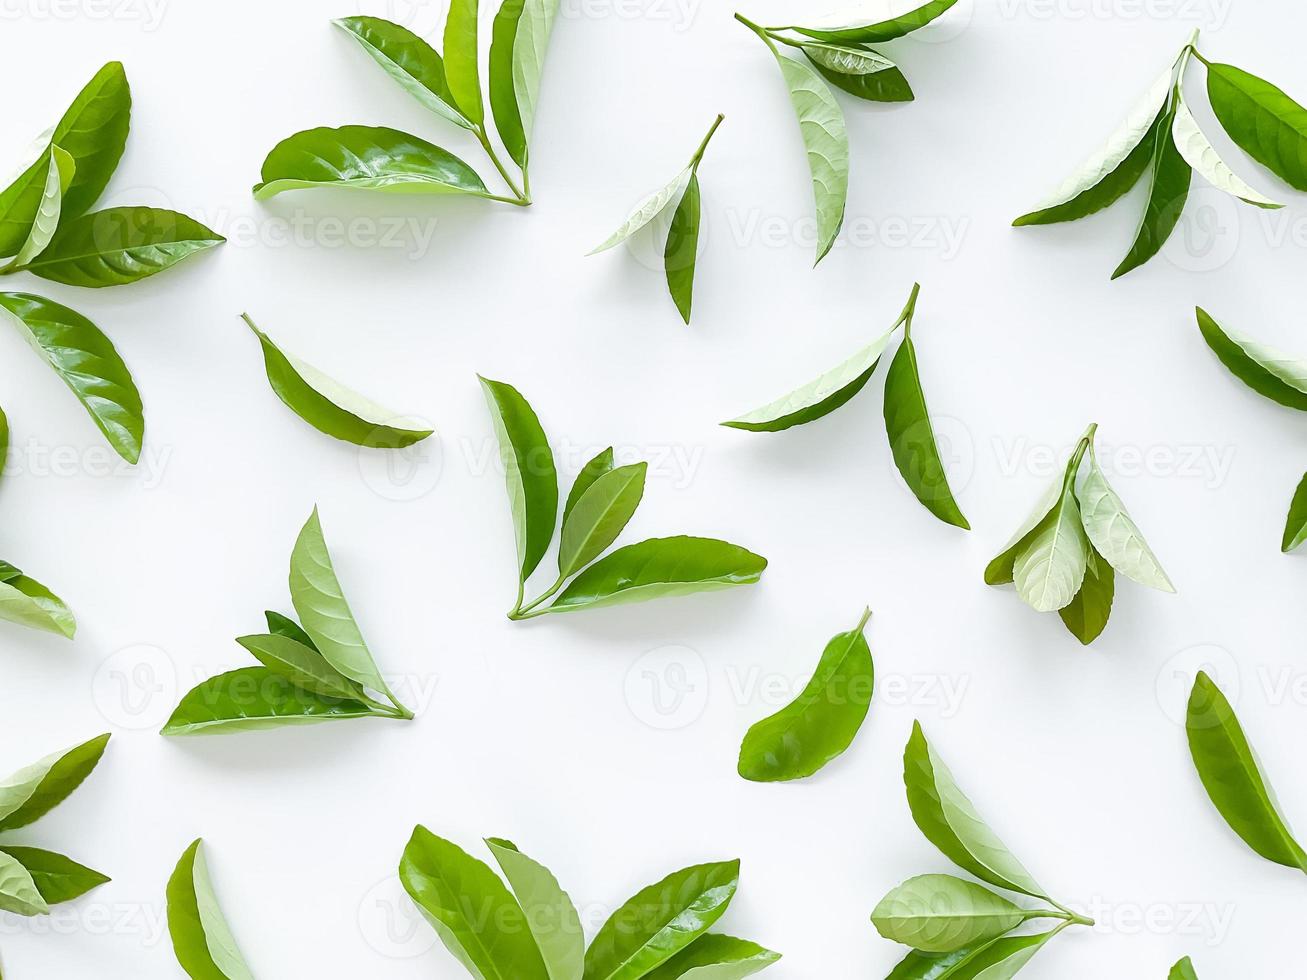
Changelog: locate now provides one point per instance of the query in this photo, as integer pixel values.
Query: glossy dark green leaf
(1295, 526)
(21, 201)
(409, 60)
(119, 246)
(1114, 168)
(860, 71)
(822, 722)
(285, 626)
(528, 470)
(93, 131)
(599, 516)
(365, 158)
(883, 30)
(35, 790)
(1086, 615)
(942, 914)
(681, 253)
(462, 59)
(714, 956)
(517, 55)
(912, 437)
(661, 920)
(1265, 122)
(201, 938)
(1233, 778)
(1184, 970)
(26, 601)
(470, 908)
(57, 878)
(253, 699)
(949, 821)
(18, 891)
(329, 406)
(593, 470)
(1279, 376)
(658, 568)
(300, 664)
(550, 915)
(88, 363)
(999, 959)
(1169, 181)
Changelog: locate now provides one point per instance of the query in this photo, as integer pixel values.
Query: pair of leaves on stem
(602, 500)
(47, 227)
(319, 669)
(841, 56)
(907, 420)
(959, 929)
(1065, 556)
(1162, 139)
(32, 879)
(382, 159)
(1276, 375)
(329, 406)
(533, 932)
(1232, 776)
(822, 722)
(681, 251)
(24, 600)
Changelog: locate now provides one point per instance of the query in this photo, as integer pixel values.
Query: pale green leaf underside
(1205, 159)
(646, 211)
(58, 175)
(222, 944)
(940, 913)
(846, 60)
(1051, 568)
(18, 892)
(550, 915)
(1288, 368)
(826, 140)
(27, 602)
(529, 47)
(1116, 536)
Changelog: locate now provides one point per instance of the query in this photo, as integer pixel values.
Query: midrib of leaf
(1238, 745)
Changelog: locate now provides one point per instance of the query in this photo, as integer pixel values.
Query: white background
(565, 733)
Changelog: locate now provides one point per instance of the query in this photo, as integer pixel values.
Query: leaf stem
(698, 154)
(909, 310)
(543, 597)
(862, 623)
(760, 31)
(1071, 918)
(1086, 443)
(522, 200)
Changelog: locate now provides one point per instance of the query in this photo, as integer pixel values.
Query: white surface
(546, 732)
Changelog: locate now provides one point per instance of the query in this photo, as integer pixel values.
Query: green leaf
(949, 821)
(941, 914)
(1265, 123)
(118, 246)
(661, 920)
(1114, 168)
(1167, 193)
(714, 956)
(517, 54)
(471, 910)
(201, 938)
(593, 470)
(912, 438)
(826, 140)
(4, 458)
(528, 470)
(599, 516)
(1115, 535)
(94, 133)
(1184, 970)
(253, 699)
(1232, 777)
(884, 30)
(320, 603)
(58, 174)
(18, 892)
(860, 71)
(409, 60)
(1295, 526)
(1051, 568)
(681, 253)
(999, 959)
(300, 664)
(88, 363)
(57, 878)
(1086, 615)
(462, 59)
(285, 626)
(26, 601)
(819, 397)
(329, 406)
(365, 158)
(1200, 154)
(22, 199)
(646, 211)
(35, 790)
(658, 568)
(550, 915)
(1002, 569)
(9, 572)
(1270, 372)
(822, 722)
